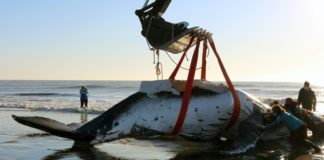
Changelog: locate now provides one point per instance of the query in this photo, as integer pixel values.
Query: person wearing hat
(307, 98)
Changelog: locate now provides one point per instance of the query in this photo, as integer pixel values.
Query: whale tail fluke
(51, 126)
(86, 132)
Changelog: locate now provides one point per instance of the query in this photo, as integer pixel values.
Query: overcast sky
(258, 40)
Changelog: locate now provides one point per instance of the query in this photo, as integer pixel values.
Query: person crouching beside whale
(314, 122)
(297, 128)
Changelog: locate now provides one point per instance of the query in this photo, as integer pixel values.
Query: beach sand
(19, 142)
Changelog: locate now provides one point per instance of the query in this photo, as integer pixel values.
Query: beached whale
(153, 112)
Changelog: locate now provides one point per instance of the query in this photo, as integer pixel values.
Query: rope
(145, 4)
(158, 66)
(147, 31)
(184, 68)
(153, 57)
(175, 71)
(159, 70)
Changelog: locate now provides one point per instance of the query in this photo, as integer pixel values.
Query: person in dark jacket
(296, 127)
(84, 97)
(307, 98)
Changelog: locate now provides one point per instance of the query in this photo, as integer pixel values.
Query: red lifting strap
(187, 91)
(203, 61)
(175, 71)
(236, 110)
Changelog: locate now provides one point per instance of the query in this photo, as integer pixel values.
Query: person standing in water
(84, 97)
(307, 98)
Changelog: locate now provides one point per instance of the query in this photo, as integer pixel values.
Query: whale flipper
(48, 125)
(250, 132)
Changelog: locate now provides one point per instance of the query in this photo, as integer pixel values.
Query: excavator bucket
(167, 36)
(179, 42)
(160, 34)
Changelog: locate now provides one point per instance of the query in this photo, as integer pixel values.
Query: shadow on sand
(86, 153)
(274, 150)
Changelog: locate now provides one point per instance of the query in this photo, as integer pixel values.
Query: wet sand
(22, 142)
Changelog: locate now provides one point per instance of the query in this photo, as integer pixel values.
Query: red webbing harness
(187, 91)
(203, 61)
(237, 108)
(190, 79)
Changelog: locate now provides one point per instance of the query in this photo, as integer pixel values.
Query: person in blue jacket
(296, 127)
(84, 97)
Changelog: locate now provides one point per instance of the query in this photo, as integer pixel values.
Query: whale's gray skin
(153, 111)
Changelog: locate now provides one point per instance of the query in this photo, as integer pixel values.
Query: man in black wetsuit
(307, 98)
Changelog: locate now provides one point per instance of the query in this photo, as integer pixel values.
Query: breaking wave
(44, 94)
(52, 109)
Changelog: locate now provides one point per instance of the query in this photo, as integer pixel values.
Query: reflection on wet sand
(274, 150)
(84, 117)
(83, 153)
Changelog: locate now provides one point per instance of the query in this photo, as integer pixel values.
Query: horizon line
(139, 80)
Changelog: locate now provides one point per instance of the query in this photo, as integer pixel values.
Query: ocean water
(63, 96)
(59, 100)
